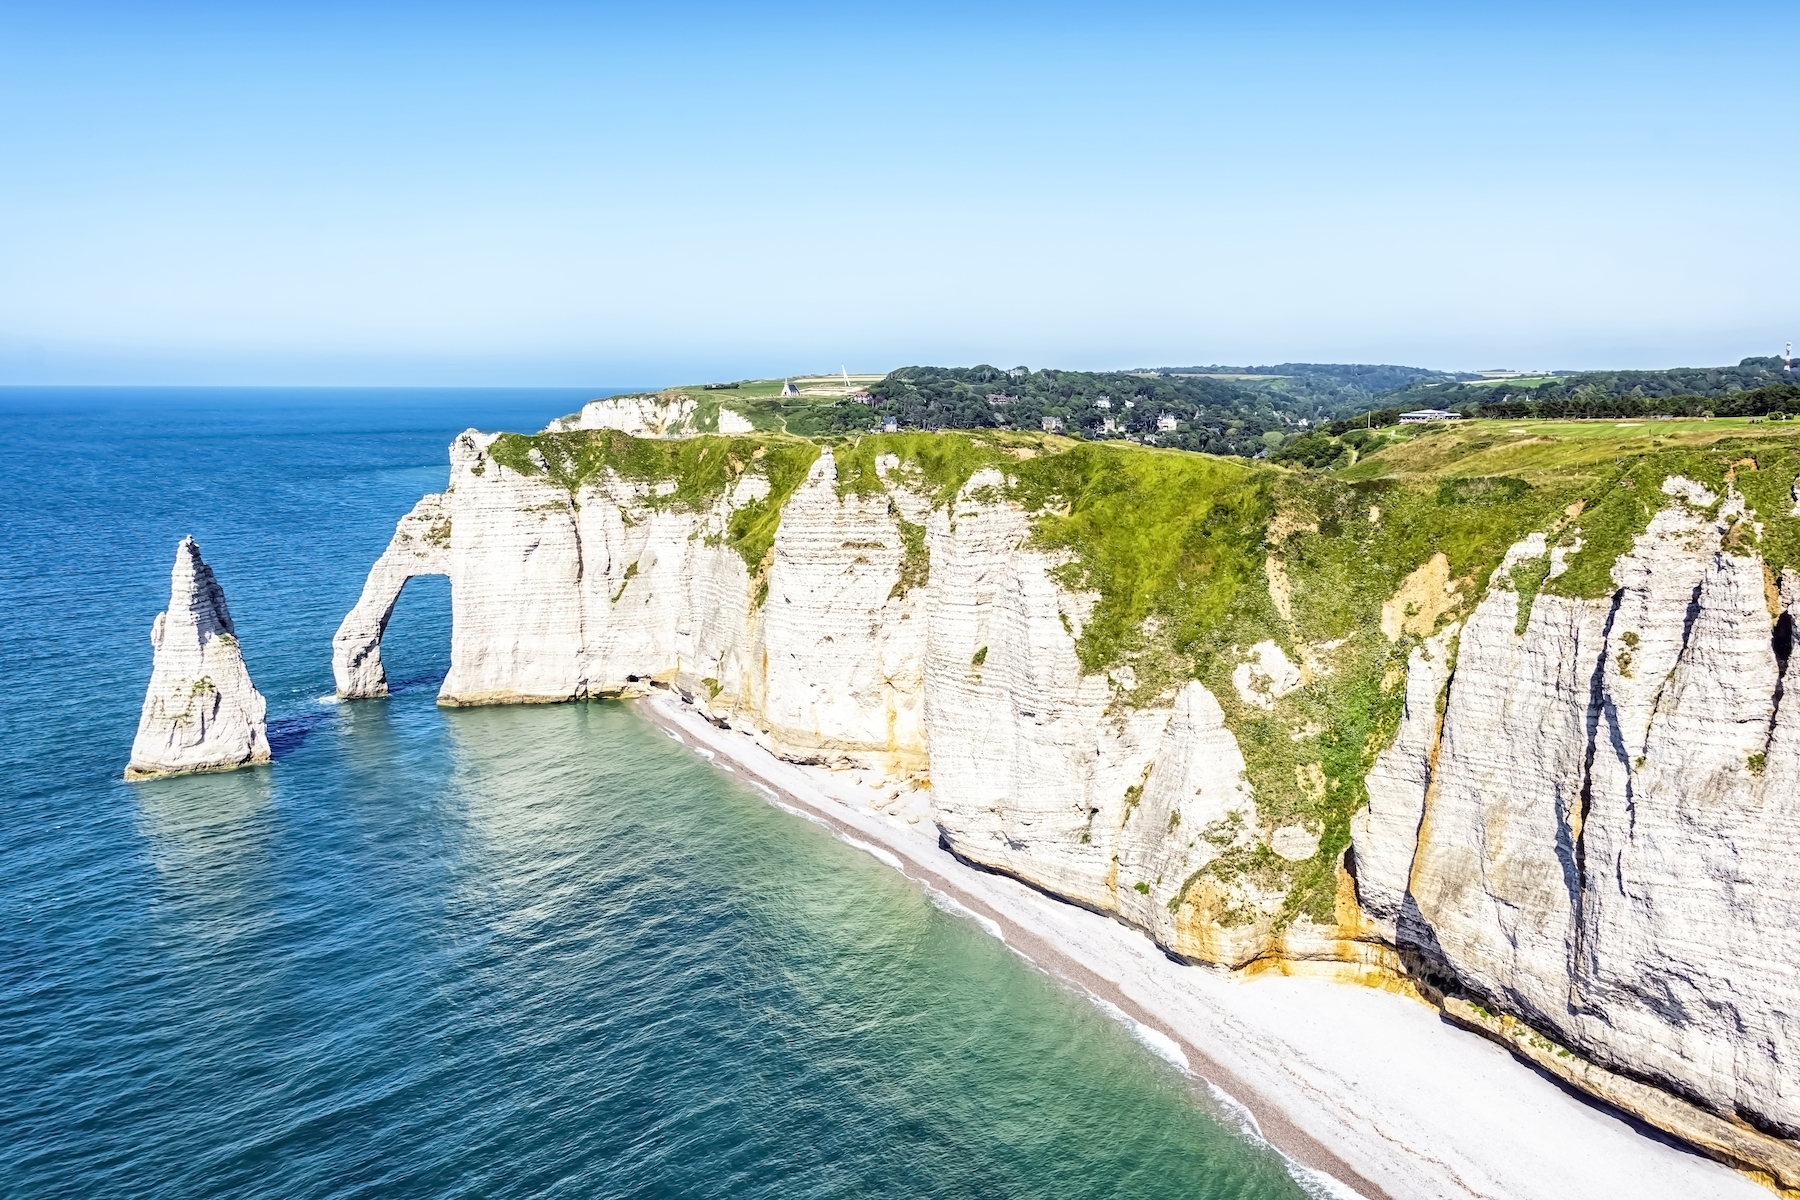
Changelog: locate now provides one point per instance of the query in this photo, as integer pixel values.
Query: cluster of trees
(1676, 383)
(1304, 414)
(1757, 402)
(1328, 449)
(1321, 391)
(1378, 419)
(1212, 415)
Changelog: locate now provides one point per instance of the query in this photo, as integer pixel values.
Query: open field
(816, 387)
(1467, 449)
(1514, 380)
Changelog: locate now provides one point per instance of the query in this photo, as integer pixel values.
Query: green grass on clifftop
(1191, 560)
(701, 468)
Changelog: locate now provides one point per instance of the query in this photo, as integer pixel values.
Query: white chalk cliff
(201, 712)
(662, 415)
(1606, 850)
(1581, 839)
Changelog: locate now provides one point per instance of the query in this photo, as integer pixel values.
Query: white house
(1166, 422)
(1428, 414)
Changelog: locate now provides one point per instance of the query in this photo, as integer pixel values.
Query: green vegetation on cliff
(701, 469)
(1186, 555)
(1615, 470)
(1346, 559)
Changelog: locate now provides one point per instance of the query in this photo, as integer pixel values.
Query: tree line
(1215, 416)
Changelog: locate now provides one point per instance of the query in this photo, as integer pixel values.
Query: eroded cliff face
(1605, 850)
(1040, 770)
(201, 712)
(1580, 810)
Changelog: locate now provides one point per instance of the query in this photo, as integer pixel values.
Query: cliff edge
(1502, 717)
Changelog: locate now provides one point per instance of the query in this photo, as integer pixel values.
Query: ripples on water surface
(491, 952)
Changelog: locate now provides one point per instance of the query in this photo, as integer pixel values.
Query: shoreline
(1363, 1092)
(1265, 1121)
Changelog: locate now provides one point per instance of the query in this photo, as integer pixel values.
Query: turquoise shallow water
(494, 952)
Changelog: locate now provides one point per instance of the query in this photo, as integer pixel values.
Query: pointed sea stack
(201, 712)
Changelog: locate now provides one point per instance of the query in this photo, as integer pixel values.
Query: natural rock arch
(420, 546)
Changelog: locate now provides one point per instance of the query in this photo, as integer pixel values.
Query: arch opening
(420, 546)
(415, 646)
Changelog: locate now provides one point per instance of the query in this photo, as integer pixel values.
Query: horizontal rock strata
(201, 712)
(1583, 827)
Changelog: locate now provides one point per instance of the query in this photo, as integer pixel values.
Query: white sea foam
(1318, 1184)
(332, 699)
(675, 735)
(815, 818)
(1161, 1044)
(949, 904)
(1430, 1133)
(1156, 1041)
(878, 854)
(1246, 1120)
(1313, 1182)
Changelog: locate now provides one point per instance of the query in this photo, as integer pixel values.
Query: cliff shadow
(289, 734)
(433, 680)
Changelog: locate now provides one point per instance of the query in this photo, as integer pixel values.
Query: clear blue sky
(588, 194)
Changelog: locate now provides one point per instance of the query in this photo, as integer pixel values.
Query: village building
(1053, 424)
(1423, 415)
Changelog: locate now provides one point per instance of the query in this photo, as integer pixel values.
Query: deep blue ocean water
(491, 952)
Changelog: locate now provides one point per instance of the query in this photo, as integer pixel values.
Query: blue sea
(485, 953)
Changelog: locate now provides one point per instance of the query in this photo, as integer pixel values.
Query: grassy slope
(1616, 468)
(1175, 546)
